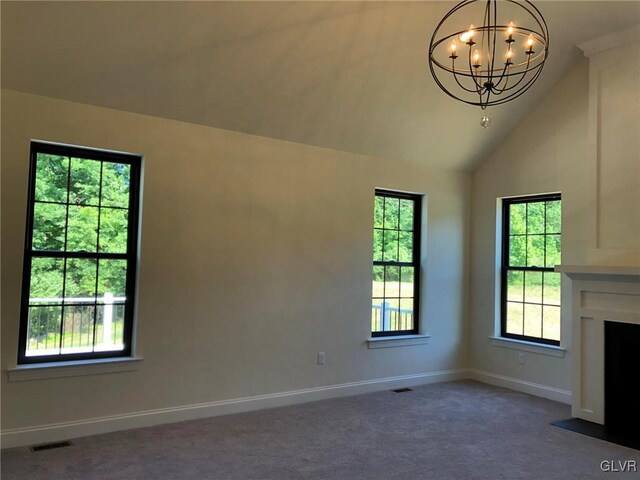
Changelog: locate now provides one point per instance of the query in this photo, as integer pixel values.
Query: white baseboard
(93, 426)
(68, 430)
(537, 389)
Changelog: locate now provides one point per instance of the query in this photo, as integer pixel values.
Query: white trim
(532, 347)
(397, 341)
(38, 371)
(539, 390)
(497, 270)
(597, 270)
(611, 40)
(92, 426)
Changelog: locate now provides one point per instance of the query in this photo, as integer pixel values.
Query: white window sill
(524, 346)
(39, 371)
(397, 341)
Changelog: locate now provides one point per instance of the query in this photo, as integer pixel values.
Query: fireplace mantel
(599, 294)
(581, 270)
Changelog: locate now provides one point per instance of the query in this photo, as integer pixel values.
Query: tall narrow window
(396, 263)
(531, 239)
(80, 254)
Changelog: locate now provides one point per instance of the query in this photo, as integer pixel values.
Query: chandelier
(492, 63)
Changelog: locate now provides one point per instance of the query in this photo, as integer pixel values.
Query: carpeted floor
(459, 430)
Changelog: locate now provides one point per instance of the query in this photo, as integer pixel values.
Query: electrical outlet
(320, 358)
(522, 358)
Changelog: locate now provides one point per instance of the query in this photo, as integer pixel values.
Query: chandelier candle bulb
(510, 40)
(467, 37)
(476, 59)
(530, 43)
(509, 55)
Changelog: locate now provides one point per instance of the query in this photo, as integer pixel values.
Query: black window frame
(131, 255)
(415, 263)
(505, 267)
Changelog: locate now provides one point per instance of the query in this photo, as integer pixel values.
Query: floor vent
(402, 390)
(49, 446)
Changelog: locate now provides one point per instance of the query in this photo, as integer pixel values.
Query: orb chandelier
(492, 63)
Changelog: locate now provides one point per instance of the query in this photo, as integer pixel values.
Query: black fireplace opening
(622, 379)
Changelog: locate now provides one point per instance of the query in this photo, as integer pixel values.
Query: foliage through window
(396, 263)
(80, 254)
(531, 248)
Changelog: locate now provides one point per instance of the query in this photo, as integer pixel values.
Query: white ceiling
(346, 75)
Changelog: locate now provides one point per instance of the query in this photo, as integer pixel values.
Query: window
(531, 239)
(80, 254)
(396, 264)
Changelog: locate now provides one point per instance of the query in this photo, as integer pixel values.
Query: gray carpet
(458, 430)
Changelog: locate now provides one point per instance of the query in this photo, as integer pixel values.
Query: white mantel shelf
(597, 270)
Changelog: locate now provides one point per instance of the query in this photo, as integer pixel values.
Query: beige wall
(256, 255)
(557, 149)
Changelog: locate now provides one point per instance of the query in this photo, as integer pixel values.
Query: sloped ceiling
(351, 76)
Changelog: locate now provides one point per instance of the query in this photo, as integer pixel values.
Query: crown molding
(611, 40)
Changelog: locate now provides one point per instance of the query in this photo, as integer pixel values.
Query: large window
(531, 239)
(80, 254)
(396, 263)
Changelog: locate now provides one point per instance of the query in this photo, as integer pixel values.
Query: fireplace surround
(601, 298)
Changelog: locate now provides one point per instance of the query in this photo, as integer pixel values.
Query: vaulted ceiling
(351, 76)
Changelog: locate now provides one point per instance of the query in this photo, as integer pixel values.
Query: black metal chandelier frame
(494, 82)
